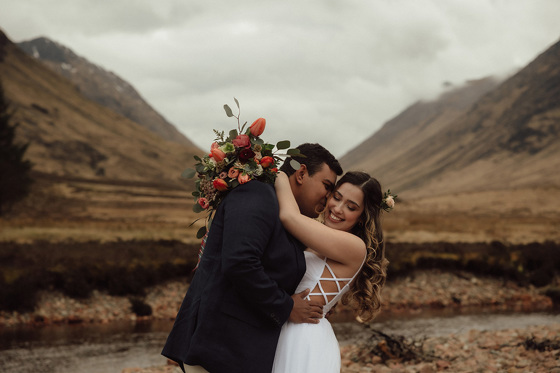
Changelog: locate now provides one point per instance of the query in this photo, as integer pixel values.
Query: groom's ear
(300, 174)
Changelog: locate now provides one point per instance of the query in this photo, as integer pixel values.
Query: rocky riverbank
(535, 349)
(421, 290)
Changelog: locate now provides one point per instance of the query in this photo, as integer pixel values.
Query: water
(82, 348)
(111, 348)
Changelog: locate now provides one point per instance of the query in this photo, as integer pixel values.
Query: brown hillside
(101, 86)
(70, 135)
(508, 139)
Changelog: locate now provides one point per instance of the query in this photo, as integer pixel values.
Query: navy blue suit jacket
(239, 297)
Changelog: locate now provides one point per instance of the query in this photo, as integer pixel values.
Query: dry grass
(510, 216)
(61, 210)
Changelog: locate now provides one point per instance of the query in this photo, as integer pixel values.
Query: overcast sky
(318, 70)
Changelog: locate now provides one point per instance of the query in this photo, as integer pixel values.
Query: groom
(241, 294)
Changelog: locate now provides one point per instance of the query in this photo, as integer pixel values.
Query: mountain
(101, 86)
(416, 124)
(484, 135)
(73, 136)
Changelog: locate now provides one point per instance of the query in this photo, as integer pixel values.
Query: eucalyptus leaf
(188, 173)
(229, 113)
(283, 145)
(201, 232)
(295, 164)
(196, 157)
(232, 134)
(197, 208)
(196, 194)
(294, 152)
(236, 102)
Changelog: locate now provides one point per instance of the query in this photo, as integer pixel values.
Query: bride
(345, 261)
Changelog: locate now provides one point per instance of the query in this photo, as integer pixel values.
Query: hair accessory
(388, 201)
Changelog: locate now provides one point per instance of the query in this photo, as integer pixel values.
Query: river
(109, 348)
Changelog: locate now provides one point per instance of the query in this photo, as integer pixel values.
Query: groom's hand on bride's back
(305, 311)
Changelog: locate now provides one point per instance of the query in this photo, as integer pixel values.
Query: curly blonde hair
(365, 290)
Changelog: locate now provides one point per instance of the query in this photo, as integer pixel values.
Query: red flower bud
(203, 202)
(243, 178)
(267, 161)
(220, 184)
(257, 128)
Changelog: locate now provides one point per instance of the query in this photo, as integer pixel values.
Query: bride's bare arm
(336, 245)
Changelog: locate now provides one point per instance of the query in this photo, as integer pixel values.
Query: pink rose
(257, 128)
(243, 178)
(267, 161)
(220, 184)
(203, 202)
(233, 172)
(241, 141)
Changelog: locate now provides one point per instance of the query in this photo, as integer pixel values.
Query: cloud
(319, 71)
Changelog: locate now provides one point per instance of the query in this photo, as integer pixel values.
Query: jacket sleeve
(250, 217)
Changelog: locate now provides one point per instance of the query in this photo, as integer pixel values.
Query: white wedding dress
(312, 348)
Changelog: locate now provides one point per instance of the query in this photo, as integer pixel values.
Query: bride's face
(344, 207)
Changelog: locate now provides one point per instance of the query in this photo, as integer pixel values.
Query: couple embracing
(270, 271)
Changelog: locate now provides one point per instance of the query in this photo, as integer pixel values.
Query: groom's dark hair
(315, 156)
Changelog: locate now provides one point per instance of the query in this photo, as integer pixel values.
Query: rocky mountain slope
(482, 136)
(102, 86)
(73, 136)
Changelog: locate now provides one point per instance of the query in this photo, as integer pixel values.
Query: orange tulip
(217, 154)
(257, 128)
(220, 184)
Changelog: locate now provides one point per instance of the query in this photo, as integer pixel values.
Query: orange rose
(267, 161)
(257, 128)
(233, 172)
(220, 184)
(275, 170)
(243, 178)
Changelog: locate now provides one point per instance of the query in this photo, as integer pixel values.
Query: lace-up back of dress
(325, 283)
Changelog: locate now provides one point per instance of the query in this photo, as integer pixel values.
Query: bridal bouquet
(240, 157)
